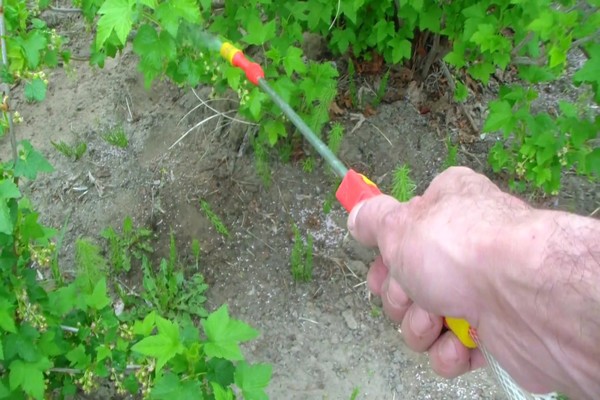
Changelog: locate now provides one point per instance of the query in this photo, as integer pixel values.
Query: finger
(376, 276)
(420, 328)
(394, 299)
(449, 357)
(380, 215)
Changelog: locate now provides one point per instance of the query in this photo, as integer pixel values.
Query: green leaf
(31, 162)
(149, 3)
(63, 300)
(154, 47)
(482, 71)
(253, 379)
(144, 328)
(259, 33)
(500, 117)
(543, 24)
(35, 90)
(461, 92)
(6, 221)
(274, 129)
(255, 103)
(163, 346)
(225, 334)
(33, 46)
(117, 16)
(170, 387)
(7, 318)
(430, 19)
(220, 393)
(9, 190)
(343, 38)
(29, 377)
(592, 162)
(293, 61)
(457, 56)
(170, 13)
(78, 357)
(401, 49)
(103, 352)
(590, 72)
(535, 74)
(98, 299)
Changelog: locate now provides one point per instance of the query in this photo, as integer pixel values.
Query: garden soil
(325, 338)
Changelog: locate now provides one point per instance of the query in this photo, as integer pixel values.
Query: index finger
(373, 218)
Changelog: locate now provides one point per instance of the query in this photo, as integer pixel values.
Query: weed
(91, 266)
(403, 187)
(308, 164)
(196, 253)
(214, 219)
(130, 244)
(261, 162)
(116, 137)
(450, 160)
(381, 89)
(336, 135)
(355, 393)
(352, 84)
(75, 151)
(168, 290)
(301, 258)
(375, 311)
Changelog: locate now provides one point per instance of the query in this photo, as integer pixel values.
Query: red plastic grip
(253, 70)
(355, 188)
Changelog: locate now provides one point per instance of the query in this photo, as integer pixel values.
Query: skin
(528, 280)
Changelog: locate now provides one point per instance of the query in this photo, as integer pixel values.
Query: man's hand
(466, 249)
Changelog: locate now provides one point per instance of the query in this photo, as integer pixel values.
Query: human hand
(460, 250)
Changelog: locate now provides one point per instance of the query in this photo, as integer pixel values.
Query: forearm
(554, 273)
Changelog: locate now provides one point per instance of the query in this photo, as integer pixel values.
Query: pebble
(358, 267)
(350, 320)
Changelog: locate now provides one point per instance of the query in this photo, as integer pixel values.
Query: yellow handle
(462, 330)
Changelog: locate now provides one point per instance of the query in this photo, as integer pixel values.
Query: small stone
(358, 267)
(350, 320)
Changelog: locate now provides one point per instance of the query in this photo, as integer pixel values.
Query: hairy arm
(551, 283)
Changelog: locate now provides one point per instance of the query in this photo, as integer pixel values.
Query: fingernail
(420, 322)
(352, 216)
(448, 351)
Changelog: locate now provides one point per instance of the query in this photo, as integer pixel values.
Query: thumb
(372, 220)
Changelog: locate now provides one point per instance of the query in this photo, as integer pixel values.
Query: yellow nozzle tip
(228, 51)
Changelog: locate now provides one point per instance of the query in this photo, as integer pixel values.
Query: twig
(522, 43)
(381, 133)
(74, 371)
(192, 128)
(65, 10)
(204, 103)
(337, 13)
(69, 328)
(11, 130)
(308, 320)
(433, 53)
(450, 79)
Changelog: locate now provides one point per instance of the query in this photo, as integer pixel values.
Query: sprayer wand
(355, 188)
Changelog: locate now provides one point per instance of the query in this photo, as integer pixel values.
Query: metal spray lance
(355, 188)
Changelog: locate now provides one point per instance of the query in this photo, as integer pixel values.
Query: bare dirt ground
(323, 337)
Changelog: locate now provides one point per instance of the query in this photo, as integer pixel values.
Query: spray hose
(355, 188)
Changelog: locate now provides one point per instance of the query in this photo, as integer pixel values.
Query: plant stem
(11, 130)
